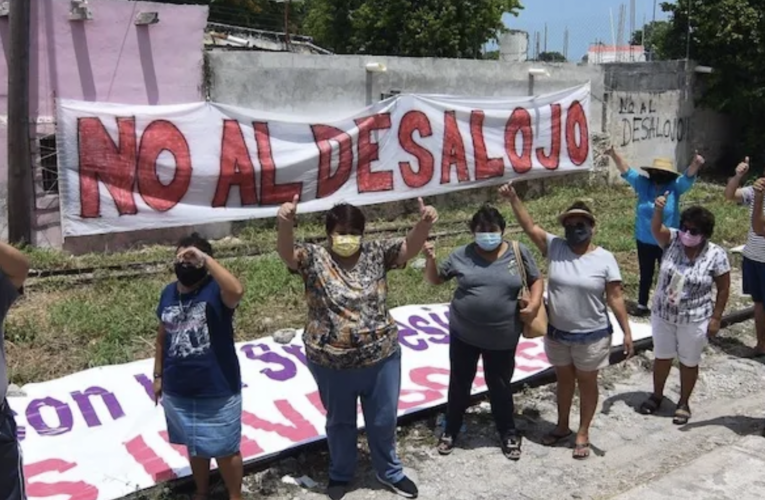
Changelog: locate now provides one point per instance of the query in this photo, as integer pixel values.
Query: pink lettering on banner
(300, 429)
(315, 399)
(524, 353)
(62, 490)
(151, 462)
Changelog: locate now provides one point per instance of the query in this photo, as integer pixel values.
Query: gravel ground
(628, 448)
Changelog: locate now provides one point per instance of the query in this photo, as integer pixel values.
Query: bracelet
(157, 376)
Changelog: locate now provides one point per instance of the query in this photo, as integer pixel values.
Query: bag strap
(519, 263)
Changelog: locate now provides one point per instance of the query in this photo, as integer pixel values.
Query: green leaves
(414, 28)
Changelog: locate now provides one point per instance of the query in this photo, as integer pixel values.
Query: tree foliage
(416, 28)
(729, 36)
(553, 57)
(653, 36)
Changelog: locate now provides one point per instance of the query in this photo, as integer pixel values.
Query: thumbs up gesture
(742, 168)
(428, 214)
(288, 210)
(661, 201)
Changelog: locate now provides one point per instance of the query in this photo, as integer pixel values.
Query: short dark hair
(487, 217)
(345, 215)
(700, 218)
(195, 240)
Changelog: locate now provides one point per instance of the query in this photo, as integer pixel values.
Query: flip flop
(581, 451)
(682, 415)
(552, 439)
(650, 405)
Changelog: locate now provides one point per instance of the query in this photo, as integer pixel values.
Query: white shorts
(685, 342)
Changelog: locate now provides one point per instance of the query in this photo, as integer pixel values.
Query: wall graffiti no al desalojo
(641, 121)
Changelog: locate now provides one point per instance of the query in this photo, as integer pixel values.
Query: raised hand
(507, 191)
(288, 210)
(742, 168)
(193, 256)
(610, 152)
(698, 160)
(661, 201)
(428, 213)
(429, 250)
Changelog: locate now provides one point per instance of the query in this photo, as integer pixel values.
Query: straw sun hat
(571, 212)
(662, 165)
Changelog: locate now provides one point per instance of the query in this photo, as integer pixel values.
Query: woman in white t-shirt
(584, 280)
(686, 312)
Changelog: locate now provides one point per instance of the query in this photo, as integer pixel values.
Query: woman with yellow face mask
(350, 339)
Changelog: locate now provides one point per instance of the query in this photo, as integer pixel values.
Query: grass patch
(59, 328)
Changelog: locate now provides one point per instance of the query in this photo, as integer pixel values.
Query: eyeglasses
(690, 230)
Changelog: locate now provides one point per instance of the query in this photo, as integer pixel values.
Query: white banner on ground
(97, 435)
(125, 168)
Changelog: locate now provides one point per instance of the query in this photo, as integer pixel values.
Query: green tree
(729, 36)
(259, 14)
(554, 57)
(416, 28)
(654, 37)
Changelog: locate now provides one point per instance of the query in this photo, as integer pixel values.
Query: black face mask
(662, 179)
(188, 275)
(579, 234)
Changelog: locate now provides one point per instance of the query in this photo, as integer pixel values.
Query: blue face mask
(488, 242)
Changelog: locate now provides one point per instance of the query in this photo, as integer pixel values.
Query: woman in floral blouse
(351, 341)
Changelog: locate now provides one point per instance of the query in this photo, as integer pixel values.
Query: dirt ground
(629, 448)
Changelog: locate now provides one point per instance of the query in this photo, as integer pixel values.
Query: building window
(49, 164)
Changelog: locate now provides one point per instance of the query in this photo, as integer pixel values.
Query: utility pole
(287, 23)
(20, 194)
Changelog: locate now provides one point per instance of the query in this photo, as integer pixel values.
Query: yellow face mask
(346, 245)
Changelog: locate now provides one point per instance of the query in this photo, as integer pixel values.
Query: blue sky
(586, 20)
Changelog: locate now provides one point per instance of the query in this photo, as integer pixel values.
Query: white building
(602, 54)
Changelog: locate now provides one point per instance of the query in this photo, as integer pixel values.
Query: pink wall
(107, 59)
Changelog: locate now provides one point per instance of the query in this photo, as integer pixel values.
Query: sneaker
(404, 488)
(642, 311)
(336, 490)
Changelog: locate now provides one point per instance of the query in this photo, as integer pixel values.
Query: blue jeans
(378, 386)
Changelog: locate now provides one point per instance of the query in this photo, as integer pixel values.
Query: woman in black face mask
(196, 370)
(584, 280)
(662, 178)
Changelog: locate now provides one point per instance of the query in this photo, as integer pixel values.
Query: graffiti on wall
(642, 120)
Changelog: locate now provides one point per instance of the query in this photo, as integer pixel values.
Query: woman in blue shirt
(663, 178)
(196, 370)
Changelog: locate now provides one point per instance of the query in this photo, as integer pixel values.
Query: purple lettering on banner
(21, 431)
(287, 371)
(405, 331)
(437, 319)
(147, 384)
(437, 335)
(35, 419)
(86, 407)
(295, 351)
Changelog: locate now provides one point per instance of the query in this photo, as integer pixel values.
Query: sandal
(511, 447)
(682, 415)
(651, 405)
(581, 451)
(445, 445)
(552, 439)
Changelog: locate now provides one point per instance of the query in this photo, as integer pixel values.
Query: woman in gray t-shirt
(584, 280)
(485, 322)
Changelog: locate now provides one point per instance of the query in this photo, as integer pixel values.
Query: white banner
(125, 168)
(97, 435)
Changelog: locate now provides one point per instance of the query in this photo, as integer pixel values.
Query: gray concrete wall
(309, 84)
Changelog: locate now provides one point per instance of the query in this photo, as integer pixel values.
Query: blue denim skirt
(208, 427)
